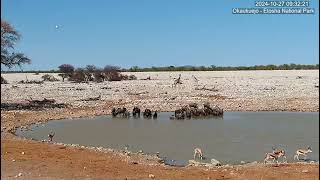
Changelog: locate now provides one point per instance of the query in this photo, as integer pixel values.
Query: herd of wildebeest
(186, 112)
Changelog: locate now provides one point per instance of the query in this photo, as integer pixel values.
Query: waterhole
(238, 136)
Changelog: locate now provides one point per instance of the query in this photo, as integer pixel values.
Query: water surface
(239, 136)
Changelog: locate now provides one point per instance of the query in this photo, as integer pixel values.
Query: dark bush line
(92, 73)
(29, 106)
(3, 81)
(200, 68)
(226, 68)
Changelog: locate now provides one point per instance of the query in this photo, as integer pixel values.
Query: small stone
(13, 160)
(151, 176)
(19, 175)
(305, 171)
(22, 153)
(215, 162)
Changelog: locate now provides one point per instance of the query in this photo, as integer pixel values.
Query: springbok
(302, 152)
(274, 155)
(280, 151)
(51, 136)
(198, 151)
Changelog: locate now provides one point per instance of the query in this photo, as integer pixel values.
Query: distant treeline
(202, 68)
(225, 68)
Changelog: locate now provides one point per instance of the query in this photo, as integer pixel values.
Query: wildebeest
(147, 113)
(155, 115)
(136, 112)
(193, 111)
(120, 111)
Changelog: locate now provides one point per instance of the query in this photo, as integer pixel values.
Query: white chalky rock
(215, 162)
(151, 176)
(19, 175)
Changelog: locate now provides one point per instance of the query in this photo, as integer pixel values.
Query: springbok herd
(274, 155)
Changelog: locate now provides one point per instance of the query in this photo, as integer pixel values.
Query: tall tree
(9, 37)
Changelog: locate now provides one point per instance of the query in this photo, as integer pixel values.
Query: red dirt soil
(59, 162)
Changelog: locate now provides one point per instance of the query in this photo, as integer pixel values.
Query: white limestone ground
(293, 90)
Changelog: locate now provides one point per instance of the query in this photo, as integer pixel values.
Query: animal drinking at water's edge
(147, 113)
(198, 151)
(192, 110)
(302, 152)
(120, 111)
(155, 115)
(51, 135)
(136, 112)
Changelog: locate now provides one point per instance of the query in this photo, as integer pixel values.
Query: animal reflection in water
(302, 152)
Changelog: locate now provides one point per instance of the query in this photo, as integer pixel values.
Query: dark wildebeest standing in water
(120, 111)
(147, 113)
(155, 115)
(136, 112)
